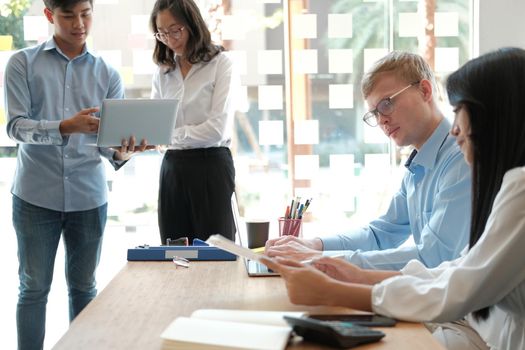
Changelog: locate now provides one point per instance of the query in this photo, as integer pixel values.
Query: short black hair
(63, 4)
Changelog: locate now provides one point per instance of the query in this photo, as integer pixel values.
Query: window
(298, 128)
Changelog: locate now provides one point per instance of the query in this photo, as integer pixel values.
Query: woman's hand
(309, 286)
(306, 285)
(341, 270)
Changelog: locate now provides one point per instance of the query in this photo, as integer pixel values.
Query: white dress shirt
(491, 273)
(206, 108)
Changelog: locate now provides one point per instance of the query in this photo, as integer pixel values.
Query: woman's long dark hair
(199, 47)
(492, 90)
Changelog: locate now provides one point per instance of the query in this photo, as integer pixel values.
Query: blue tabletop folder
(197, 251)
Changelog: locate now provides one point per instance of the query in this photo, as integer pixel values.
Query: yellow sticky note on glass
(6, 42)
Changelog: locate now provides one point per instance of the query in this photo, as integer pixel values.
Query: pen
(309, 261)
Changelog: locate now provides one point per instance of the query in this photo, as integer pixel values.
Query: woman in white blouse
(197, 176)
(478, 300)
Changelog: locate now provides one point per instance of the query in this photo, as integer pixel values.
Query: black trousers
(195, 192)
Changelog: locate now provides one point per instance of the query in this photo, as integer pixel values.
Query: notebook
(229, 329)
(150, 119)
(253, 268)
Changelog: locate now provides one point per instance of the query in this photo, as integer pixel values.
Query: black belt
(198, 152)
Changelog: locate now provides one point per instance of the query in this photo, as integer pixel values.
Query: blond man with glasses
(432, 204)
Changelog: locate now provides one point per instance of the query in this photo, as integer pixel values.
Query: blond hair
(404, 65)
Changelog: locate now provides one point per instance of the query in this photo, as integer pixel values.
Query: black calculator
(333, 333)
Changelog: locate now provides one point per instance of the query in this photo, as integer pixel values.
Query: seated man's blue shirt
(433, 205)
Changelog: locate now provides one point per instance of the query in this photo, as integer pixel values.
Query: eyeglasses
(384, 107)
(172, 34)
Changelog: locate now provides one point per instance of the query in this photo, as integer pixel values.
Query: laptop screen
(237, 219)
(253, 268)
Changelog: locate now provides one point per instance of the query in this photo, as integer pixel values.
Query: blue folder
(192, 252)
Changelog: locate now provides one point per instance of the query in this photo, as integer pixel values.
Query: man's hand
(83, 122)
(294, 248)
(128, 148)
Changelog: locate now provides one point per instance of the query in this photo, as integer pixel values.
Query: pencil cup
(290, 227)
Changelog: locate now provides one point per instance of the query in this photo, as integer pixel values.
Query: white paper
(446, 59)
(233, 28)
(340, 61)
(113, 57)
(270, 62)
(239, 58)
(410, 24)
(377, 162)
(340, 25)
(372, 55)
(271, 132)
(142, 62)
(341, 96)
(306, 132)
(343, 181)
(270, 97)
(342, 165)
(374, 134)
(306, 167)
(304, 26)
(140, 24)
(446, 24)
(227, 245)
(305, 61)
(138, 41)
(35, 28)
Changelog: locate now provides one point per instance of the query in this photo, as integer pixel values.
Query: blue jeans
(38, 232)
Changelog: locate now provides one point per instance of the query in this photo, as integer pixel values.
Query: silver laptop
(254, 268)
(150, 119)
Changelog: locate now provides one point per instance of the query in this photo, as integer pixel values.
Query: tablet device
(150, 119)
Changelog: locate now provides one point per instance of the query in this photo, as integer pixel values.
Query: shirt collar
(427, 155)
(51, 44)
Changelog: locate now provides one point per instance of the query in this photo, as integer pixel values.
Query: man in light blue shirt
(433, 203)
(59, 189)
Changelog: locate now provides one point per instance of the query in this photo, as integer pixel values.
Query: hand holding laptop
(128, 148)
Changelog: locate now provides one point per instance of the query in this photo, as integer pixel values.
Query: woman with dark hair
(479, 298)
(197, 176)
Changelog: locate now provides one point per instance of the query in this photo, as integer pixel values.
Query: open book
(229, 329)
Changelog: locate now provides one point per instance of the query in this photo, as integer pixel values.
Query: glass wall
(298, 128)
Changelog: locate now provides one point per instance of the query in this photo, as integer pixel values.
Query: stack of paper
(229, 329)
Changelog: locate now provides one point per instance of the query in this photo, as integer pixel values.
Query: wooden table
(145, 297)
